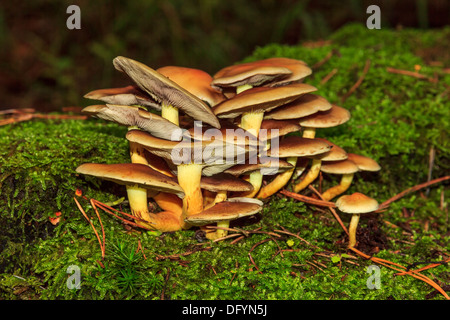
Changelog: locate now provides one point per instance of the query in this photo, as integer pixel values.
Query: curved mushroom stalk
(310, 176)
(169, 202)
(352, 230)
(279, 181)
(343, 186)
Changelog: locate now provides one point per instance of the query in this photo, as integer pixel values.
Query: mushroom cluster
(207, 149)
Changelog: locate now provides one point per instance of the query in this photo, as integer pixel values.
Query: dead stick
(358, 82)
(412, 189)
(306, 199)
(328, 76)
(103, 229)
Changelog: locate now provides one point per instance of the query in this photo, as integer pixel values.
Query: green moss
(395, 120)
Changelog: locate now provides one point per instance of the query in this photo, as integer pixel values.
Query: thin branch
(358, 82)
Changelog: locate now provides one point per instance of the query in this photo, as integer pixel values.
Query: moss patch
(396, 120)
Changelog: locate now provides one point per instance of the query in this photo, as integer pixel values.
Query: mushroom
(171, 96)
(251, 104)
(221, 184)
(335, 154)
(291, 148)
(323, 119)
(346, 168)
(128, 96)
(241, 77)
(138, 179)
(304, 106)
(355, 204)
(361, 163)
(224, 212)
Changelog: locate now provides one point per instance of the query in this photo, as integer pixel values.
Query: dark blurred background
(46, 66)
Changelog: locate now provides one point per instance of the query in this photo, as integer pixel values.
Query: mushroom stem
(170, 113)
(255, 178)
(137, 198)
(310, 176)
(309, 133)
(221, 232)
(189, 176)
(251, 121)
(244, 87)
(352, 230)
(345, 183)
(279, 181)
(137, 153)
(220, 196)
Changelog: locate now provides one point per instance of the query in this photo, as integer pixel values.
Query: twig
(103, 229)
(396, 267)
(430, 167)
(328, 76)
(92, 225)
(306, 199)
(415, 188)
(410, 74)
(358, 82)
(321, 62)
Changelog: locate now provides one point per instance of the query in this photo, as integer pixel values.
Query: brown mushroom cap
(336, 153)
(261, 99)
(275, 128)
(224, 182)
(304, 106)
(356, 203)
(231, 209)
(339, 167)
(299, 68)
(326, 119)
(196, 81)
(294, 146)
(364, 163)
(164, 90)
(252, 73)
(133, 174)
(135, 116)
(129, 95)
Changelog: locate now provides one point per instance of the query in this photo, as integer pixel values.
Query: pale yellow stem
(170, 113)
(279, 181)
(310, 176)
(244, 87)
(345, 183)
(137, 197)
(255, 178)
(352, 230)
(309, 133)
(251, 121)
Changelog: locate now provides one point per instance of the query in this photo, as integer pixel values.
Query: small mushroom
(221, 184)
(251, 104)
(355, 204)
(224, 212)
(138, 178)
(128, 96)
(346, 168)
(324, 119)
(171, 96)
(304, 106)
